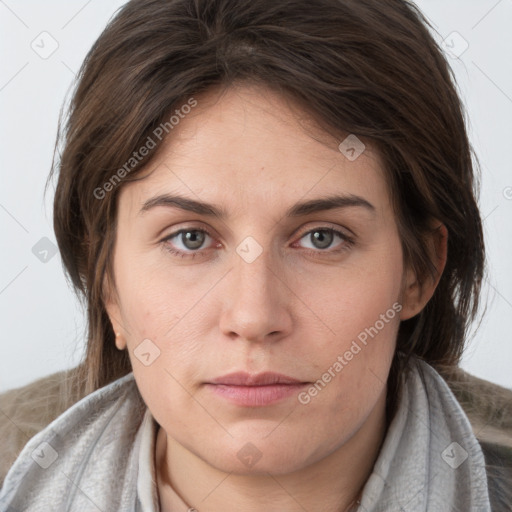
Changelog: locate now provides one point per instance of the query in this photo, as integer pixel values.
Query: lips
(260, 379)
(262, 389)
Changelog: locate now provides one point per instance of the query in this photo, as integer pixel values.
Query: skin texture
(293, 310)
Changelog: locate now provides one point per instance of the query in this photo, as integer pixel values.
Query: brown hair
(367, 67)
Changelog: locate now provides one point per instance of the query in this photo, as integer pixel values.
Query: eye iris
(193, 239)
(322, 238)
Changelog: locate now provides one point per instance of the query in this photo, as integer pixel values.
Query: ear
(416, 294)
(110, 301)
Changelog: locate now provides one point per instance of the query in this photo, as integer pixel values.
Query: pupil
(193, 239)
(322, 238)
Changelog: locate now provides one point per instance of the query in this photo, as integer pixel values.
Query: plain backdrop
(42, 323)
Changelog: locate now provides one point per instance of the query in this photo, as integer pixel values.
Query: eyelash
(348, 242)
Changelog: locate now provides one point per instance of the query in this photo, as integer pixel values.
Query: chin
(259, 456)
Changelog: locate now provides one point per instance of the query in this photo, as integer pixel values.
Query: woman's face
(253, 274)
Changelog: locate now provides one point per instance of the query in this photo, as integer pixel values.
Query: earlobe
(117, 327)
(417, 292)
(410, 295)
(120, 341)
(113, 312)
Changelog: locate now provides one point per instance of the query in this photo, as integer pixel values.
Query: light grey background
(42, 324)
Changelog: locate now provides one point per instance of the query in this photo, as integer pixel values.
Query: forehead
(252, 145)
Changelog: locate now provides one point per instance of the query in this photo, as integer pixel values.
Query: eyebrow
(299, 209)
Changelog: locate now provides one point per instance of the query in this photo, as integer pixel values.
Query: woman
(269, 209)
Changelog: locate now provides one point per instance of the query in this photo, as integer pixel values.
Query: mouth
(257, 390)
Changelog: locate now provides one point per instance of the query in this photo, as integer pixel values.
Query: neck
(332, 484)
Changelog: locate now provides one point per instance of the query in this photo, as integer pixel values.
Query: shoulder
(94, 442)
(53, 400)
(27, 410)
(487, 405)
(498, 462)
(489, 410)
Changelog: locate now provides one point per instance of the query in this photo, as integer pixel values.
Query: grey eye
(192, 239)
(321, 238)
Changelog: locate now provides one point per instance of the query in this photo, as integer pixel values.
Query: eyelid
(347, 242)
(326, 226)
(186, 229)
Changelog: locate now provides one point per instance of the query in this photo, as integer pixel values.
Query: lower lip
(256, 396)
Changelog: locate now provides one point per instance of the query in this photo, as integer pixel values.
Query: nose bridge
(257, 304)
(254, 274)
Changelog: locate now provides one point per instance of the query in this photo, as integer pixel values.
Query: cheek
(164, 331)
(351, 367)
(358, 312)
(349, 300)
(153, 302)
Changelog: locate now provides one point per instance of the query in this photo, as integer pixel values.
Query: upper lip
(260, 379)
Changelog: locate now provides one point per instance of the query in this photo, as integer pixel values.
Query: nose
(257, 307)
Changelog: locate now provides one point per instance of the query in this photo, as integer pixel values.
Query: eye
(322, 238)
(190, 242)
(186, 242)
